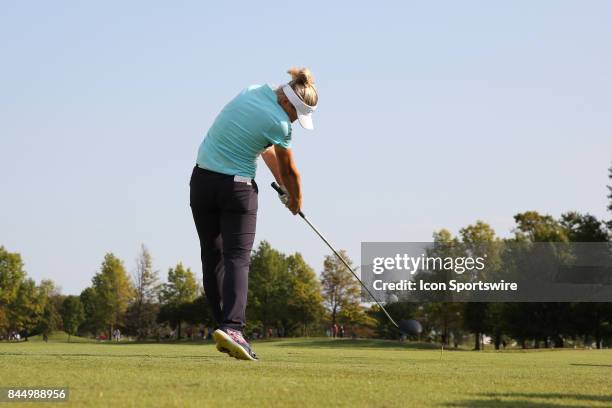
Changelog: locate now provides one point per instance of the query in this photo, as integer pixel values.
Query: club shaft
(348, 267)
(276, 187)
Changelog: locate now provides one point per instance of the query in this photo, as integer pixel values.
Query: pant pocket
(242, 198)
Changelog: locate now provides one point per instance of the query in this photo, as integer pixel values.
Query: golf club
(405, 326)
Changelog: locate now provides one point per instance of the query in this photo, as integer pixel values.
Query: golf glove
(284, 197)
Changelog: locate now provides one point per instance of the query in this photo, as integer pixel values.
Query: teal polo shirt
(247, 125)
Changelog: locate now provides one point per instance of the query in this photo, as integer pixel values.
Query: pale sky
(432, 115)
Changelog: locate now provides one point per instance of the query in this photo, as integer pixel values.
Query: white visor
(304, 111)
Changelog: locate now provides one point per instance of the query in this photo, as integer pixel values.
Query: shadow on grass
(358, 343)
(533, 400)
(182, 342)
(59, 336)
(191, 357)
(294, 342)
(113, 343)
(591, 365)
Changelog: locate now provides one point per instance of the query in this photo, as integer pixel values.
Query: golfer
(223, 195)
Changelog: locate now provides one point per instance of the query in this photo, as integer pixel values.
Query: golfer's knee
(212, 253)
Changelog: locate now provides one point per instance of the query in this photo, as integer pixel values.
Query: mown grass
(60, 336)
(308, 373)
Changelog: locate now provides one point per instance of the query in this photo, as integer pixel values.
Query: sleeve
(279, 134)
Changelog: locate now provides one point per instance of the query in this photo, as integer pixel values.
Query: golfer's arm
(269, 157)
(289, 176)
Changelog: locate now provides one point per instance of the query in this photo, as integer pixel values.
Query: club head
(410, 326)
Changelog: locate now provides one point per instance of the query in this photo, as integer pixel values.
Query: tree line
(538, 324)
(286, 295)
(139, 304)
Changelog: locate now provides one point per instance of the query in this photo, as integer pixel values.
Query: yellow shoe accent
(224, 341)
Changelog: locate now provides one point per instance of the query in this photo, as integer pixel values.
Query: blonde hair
(302, 82)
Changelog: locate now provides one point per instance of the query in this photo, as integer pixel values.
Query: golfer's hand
(284, 198)
(294, 205)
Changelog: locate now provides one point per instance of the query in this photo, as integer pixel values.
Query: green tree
(401, 309)
(341, 290)
(481, 240)
(539, 322)
(112, 293)
(305, 302)
(442, 316)
(609, 223)
(181, 288)
(591, 320)
(50, 319)
(90, 324)
(583, 227)
(475, 319)
(171, 314)
(143, 310)
(196, 312)
(27, 308)
(73, 314)
(534, 227)
(269, 284)
(12, 275)
(353, 314)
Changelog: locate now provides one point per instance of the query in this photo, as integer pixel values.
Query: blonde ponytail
(302, 82)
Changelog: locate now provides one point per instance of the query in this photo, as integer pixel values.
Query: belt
(237, 179)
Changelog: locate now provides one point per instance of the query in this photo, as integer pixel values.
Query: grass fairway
(308, 373)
